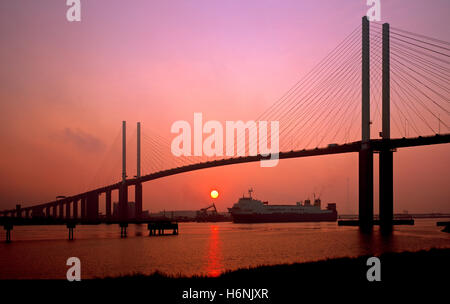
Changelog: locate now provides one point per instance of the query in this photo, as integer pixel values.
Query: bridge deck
(376, 145)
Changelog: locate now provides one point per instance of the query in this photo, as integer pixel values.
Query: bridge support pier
(8, 227)
(138, 200)
(75, 209)
(386, 191)
(366, 189)
(108, 204)
(38, 211)
(123, 202)
(123, 230)
(61, 210)
(92, 206)
(83, 208)
(366, 152)
(71, 226)
(68, 210)
(18, 211)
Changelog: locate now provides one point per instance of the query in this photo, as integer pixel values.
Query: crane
(204, 211)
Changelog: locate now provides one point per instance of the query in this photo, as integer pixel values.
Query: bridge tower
(366, 153)
(386, 153)
(138, 186)
(123, 189)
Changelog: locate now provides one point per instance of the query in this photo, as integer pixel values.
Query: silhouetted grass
(433, 264)
(403, 277)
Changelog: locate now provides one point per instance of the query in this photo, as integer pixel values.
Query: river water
(200, 248)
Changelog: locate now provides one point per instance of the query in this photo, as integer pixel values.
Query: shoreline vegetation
(425, 265)
(404, 276)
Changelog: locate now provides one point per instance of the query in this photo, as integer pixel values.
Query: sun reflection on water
(215, 267)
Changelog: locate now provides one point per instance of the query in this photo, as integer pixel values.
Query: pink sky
(66, 87)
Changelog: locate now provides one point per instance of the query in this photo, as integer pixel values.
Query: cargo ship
(250, 210)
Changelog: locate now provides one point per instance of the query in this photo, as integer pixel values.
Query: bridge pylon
(366, 152)
(386, 153)
(123, 188)
(138, 186)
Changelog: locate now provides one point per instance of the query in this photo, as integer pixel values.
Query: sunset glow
(243, 61)
(325, 125)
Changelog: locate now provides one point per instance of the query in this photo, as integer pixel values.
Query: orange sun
(214, 194)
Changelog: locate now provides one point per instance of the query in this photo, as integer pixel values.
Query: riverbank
(403, 276)
(429, 265)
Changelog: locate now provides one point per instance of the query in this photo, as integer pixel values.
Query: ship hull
(284, 217)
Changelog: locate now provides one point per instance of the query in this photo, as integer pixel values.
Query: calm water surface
(200, 248)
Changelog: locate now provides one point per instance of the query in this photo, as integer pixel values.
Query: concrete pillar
(386, 154)
(61, 210)
(92, 206)
(123, 229)
(83, 208)
(18, 210)
(27, 213)
(366, 153)
(366, 189)
(386, 190)
(108, 204)
(39, 212)
(138, 199)
(8, 227)
(55, 205)
(47, 211)
(70, 226)
(123, 202)
(75, 209)
(68, 210)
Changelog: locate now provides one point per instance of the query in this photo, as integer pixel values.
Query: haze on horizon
(66, 87)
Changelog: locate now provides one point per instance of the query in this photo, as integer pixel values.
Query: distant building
(177, 215)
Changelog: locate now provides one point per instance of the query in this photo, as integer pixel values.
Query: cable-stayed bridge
(377, 77)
